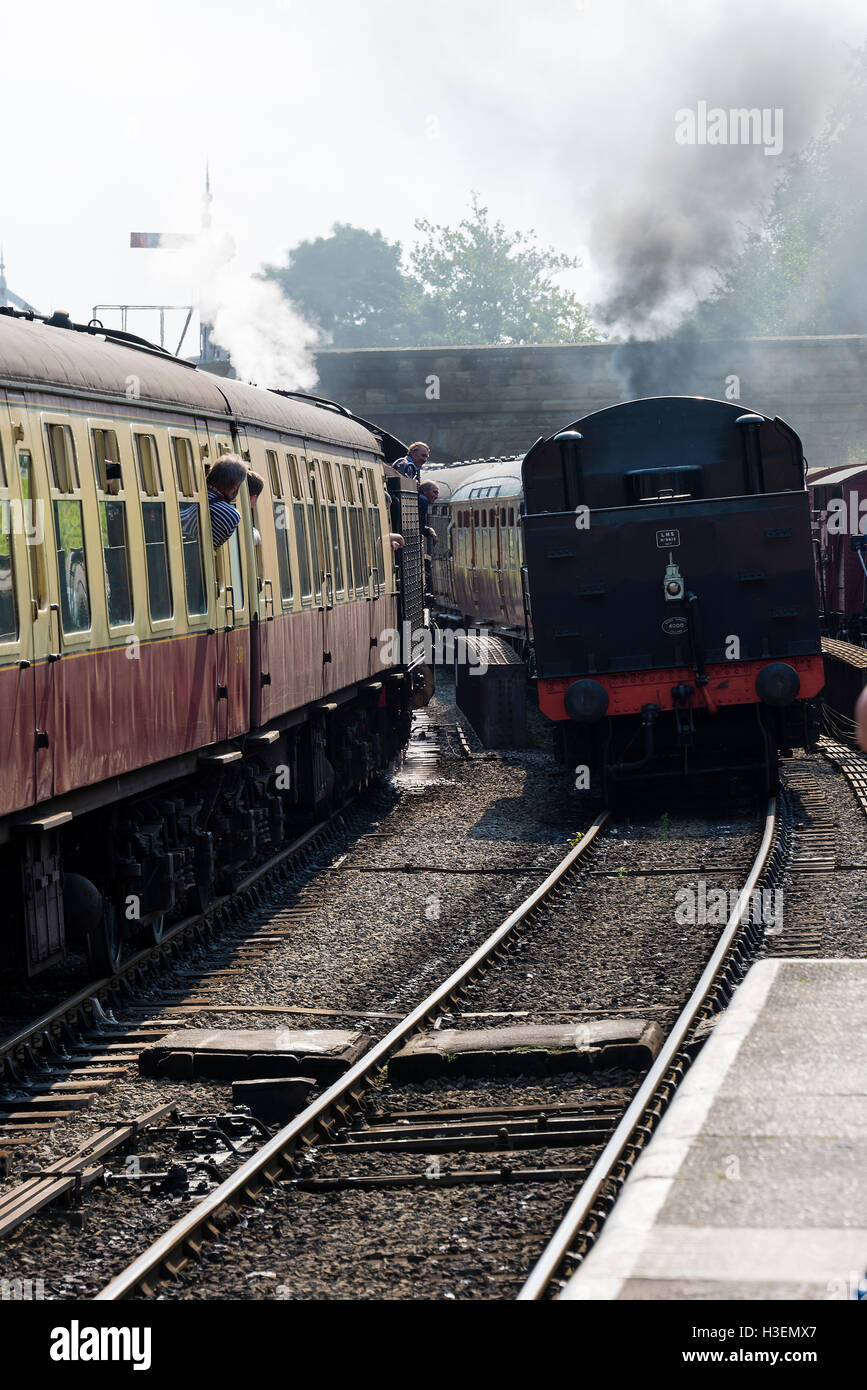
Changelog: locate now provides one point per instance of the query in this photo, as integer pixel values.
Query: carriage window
(156, 553)
(148, 464)
(347, 549)
(105, 451)
(71, 566)
(185, 470)
(358, 564)
(8, 609)
(274, 472)
(237, 572)
(329, 480)
(314, 550)
(376, 536)
(336, 560)
(281, 526)
(303, 555)
(112, 524)
(61, 451)
(294, 477)
(194, 572)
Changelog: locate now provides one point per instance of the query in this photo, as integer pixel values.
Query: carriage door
(19, 542)
(262, 639)
(323, 588)
(44, 609)
(232, 574)
(372, 573)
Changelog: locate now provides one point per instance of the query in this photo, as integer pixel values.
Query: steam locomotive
(168, 710)
(668, 591)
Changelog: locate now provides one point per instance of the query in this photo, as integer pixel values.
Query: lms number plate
(665, 540)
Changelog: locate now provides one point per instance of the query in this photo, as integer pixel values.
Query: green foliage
(351, 284)
(483, 285)
(476, 283)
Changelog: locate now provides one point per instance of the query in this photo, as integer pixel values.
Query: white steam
(268, 341)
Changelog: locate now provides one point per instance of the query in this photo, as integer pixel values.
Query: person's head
(430, 490)
(419, 452)
(227, 476)
(256, 487)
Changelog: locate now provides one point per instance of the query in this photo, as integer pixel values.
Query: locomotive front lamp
(672, 584)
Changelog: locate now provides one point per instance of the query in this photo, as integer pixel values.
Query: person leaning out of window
(225, 481)
(414, 460)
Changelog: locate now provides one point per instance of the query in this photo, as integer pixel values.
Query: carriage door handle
(54, 608)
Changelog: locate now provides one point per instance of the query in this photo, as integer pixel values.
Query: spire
(207, 200)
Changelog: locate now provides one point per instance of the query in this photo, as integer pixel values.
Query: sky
(560, 114)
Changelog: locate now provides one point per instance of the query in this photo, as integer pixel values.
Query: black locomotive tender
(673, 596)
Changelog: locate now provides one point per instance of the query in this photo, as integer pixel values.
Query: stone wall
(477, 402)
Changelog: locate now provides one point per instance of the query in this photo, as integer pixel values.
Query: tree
(351, 284)
(483, 284)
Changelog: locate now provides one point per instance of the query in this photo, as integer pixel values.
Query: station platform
(754, 1186)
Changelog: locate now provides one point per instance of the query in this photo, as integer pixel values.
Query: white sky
(319, 111)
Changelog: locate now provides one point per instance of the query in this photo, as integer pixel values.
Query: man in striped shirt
(224, 483)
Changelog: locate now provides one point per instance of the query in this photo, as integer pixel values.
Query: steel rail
(92, 992)
(558, 1247)
(269, 1163)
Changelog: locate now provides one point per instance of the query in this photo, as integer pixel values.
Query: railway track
(807, 838)
(361, 1127)
(56, 1063)
(370, 1137)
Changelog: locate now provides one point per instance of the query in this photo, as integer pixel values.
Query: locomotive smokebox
(586, 702)
(778, 684)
